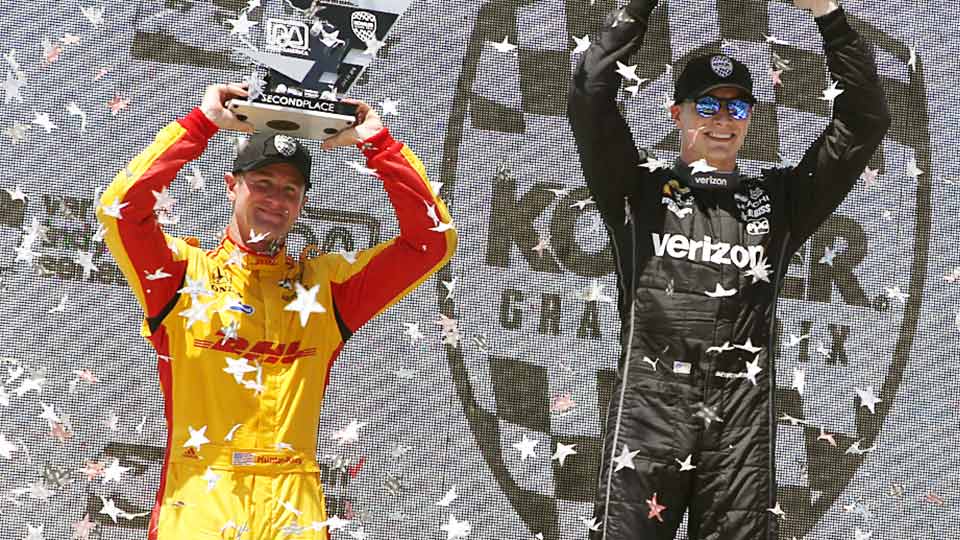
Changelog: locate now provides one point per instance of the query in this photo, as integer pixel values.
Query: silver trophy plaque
(312, 56)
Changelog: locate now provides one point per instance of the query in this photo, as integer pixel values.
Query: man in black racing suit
(700, 257)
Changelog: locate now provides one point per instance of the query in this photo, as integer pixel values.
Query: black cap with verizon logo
(705, 73)
(263, 149)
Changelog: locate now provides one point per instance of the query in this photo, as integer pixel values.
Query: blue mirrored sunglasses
(708, 106)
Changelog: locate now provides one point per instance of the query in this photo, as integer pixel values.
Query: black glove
(641, 8)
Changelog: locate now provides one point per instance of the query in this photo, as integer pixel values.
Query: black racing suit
(700, 259)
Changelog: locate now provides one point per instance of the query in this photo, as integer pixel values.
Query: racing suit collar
(727, 181)
(251, 260)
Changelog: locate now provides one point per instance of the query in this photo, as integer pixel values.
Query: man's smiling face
(266, 200)
(717, 139)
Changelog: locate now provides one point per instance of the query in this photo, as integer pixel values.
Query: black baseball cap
(263, 149)
(705, 73)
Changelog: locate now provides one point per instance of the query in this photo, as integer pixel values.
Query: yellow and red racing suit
(243, 380)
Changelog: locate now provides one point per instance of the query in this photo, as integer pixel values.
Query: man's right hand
(214, 105)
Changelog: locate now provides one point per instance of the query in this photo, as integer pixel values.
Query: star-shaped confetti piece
(74, 110)
(701, 166)
(373, 46)
(456, 529)
(110, 509)
(93, 14)
(580, 205)
(390, 106)
(867, 398)
(195, 178)
(85, 260)
(211, 478)
(759, 271)
(594, 293)
(655, 508)
(583, 43)
(7, 448)
(777, 511)
(11, 88)
(776, 77)
(305, 303)
(241, 25)
(686, 464)
(831, 92)
(117, 104)
(563, 451)
(17, 132)
(17, 194)
(894, 293)
(627, 72)
(652, 164)
(197, 438)
(799, 380)
(526, 447)
(707, 414)
(625, 459)
(449, 497)
(869, 177)
(591, 524)
(238, 367)
(824, 436)
(43, 120)
(82, 528)
(753, 369)
(197, 312)
(912, 170)
(350, 433)
(413, 331)
(505, 46)
(113, 472)
(720, 292)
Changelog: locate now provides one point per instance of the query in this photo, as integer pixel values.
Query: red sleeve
(382, 275)
(135, 239)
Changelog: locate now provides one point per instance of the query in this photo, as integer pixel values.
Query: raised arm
(608, 155)
(366, 285)
(153, 262)
(134, 237)
(831, 166)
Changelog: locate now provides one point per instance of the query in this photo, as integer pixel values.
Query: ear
(675, 114)
(231, 181)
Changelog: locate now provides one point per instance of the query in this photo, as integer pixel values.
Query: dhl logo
(268, 352)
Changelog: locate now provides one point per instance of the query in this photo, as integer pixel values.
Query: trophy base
(323, 118)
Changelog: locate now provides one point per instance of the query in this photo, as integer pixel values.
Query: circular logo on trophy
(285, 144)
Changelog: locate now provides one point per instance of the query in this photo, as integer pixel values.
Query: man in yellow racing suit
(245, 334)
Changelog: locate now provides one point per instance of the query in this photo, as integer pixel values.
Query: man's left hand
(818, 7)
(366, 125)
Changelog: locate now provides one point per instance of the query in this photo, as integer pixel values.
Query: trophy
(311, 61)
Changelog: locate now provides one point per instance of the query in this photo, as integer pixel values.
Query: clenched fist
(214, 105)
(366, 125)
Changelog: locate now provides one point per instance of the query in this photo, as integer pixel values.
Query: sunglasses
(708, 106)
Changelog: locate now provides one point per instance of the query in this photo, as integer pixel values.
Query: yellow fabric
(239, 499)
(257, 435)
